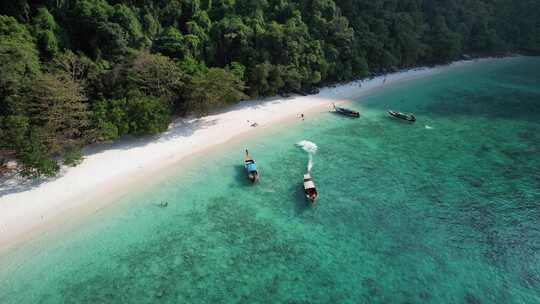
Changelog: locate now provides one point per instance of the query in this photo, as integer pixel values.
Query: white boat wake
(311, 149)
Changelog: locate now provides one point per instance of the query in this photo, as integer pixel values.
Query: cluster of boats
(356, 114)
(310, 190)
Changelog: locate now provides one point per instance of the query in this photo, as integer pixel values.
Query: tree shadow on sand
(13, 183)
(179, 128)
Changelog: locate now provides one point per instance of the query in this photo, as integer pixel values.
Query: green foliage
(150, 25)
(216, 88)
(138, 116)
(258, 81)
(147, 115)
(77, 68)
(45, 29)
(34, 157)
(105, 129)
(446, 44)
(146, 74)
(19, 63)
(73, 157)
(110, 119)
(73, 72)
(191, 66)
(57, 107)
(237, 69)
(154, 75)
(171, 43)
(128, 20)
(20, 9)
(13, 131)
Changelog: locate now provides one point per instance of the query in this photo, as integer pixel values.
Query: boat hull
(309, 189)
(346, 112)
(312, 199)
(251, 168)
(253, 177)
(405, 117)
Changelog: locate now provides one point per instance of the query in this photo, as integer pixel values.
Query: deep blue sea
(446, 210)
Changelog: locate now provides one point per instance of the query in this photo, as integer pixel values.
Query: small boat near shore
(346, 112)
(309, 189)
(251, 168)
(403, 116)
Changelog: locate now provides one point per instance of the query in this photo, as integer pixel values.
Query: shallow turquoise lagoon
(446, 210)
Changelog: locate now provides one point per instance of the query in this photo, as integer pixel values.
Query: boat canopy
(309, 185)
(251, 167)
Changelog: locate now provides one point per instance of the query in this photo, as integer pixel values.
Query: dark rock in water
(530, 279)
(471, 299)
(526, 134)
(424, 295)
(371, 286)
(476, 182)
(511, 173)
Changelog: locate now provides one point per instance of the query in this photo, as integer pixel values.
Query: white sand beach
(26, 207)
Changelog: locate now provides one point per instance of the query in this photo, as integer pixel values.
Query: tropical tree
(57, 107)
(216, 88)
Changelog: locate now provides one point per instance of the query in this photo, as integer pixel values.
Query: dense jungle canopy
(85, 71)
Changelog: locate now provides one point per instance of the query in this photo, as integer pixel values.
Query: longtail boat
(346, 112)
(407, 117)
(309, 189)
(251, 168)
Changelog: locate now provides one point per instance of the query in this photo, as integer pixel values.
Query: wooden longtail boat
(309, 189)
(346, 112)
(251, 168)
(407, 117)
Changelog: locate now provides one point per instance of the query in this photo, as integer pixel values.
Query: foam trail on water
(311, 149)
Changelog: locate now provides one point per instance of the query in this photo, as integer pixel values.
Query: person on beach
(302, 116)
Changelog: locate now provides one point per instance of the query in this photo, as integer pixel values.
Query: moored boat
(346, 112)
(251, 168)
(309, 189)
(407, 117)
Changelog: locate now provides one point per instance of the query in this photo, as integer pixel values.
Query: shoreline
(109, 171)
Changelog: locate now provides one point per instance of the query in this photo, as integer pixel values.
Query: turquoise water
(448, 213)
